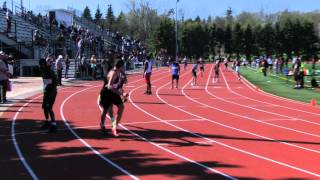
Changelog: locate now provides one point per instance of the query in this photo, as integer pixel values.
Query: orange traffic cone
(313, 102)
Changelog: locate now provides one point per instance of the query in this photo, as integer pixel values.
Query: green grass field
(278, 85)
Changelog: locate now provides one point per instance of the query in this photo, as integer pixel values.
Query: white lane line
(240, 150)
(165, 149)
(87, 144)
(15, 142)
(268, 112)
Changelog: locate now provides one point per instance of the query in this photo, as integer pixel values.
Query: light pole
(177, 46)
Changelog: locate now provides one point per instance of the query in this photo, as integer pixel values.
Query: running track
(225, 130)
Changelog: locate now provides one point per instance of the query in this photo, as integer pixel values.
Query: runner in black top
(111, 95)
(216, 71)
(49, 94)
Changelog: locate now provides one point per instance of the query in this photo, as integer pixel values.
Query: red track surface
(226, 130)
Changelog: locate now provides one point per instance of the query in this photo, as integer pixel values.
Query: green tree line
(247, 34)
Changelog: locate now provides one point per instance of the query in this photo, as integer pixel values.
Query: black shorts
(48, 99)
(201, 68)
(175, 77)
(194, 73)
(108, 98)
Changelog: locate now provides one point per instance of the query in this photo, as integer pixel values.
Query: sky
(187, 8)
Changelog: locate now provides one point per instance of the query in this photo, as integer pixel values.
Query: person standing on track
(216, 71)
(147, 73)
(238, 64)
(185, 61)
(201, 64)
(59, 68)
(111, 95)
(194, 74)
(49, 95)
(175, 71)
(226, 63)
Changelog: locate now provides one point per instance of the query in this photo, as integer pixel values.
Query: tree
(164, 36)
(213, 39)
(229, 16)
(237, 40)
(109, 18)
(98, 16)
(267, 39)
(121, 23)
(87, 13)
(228, 40)
(248, 42)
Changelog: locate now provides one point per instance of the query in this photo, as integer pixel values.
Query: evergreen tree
(228, 40)
(121, 23)
(110, 18)
(248, 42)
(164, 36)
(98, 16)
(237, 40)
(87, 13)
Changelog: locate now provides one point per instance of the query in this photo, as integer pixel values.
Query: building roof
(64, 10)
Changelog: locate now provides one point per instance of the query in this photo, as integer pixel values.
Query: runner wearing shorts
(147, 74)
(175, 71)
(111, 95)
(194, 74)
(216, 71)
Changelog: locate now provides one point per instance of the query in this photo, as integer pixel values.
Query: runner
(175, 71)
(238, 64)
(49, 95)
(194, 74)
(201, 66)
(111, 95)
(185, 61)
(147, 74)
(216, 71)
(225, 63)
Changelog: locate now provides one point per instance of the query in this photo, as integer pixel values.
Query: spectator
(93, 63)
(265, 66)
(9, 19)
(59, 68)
(296, 73)
(67, 62)
(4, 77)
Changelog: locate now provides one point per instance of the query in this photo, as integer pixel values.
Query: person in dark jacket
(49, 95)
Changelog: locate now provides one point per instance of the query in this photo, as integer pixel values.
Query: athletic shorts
(175, 77)
(108, 98)
(194, 73)
(201, 68)
(237, 68)
(48, 99)
(148, 77)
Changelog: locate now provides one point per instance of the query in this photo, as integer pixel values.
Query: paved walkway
(24, 87)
